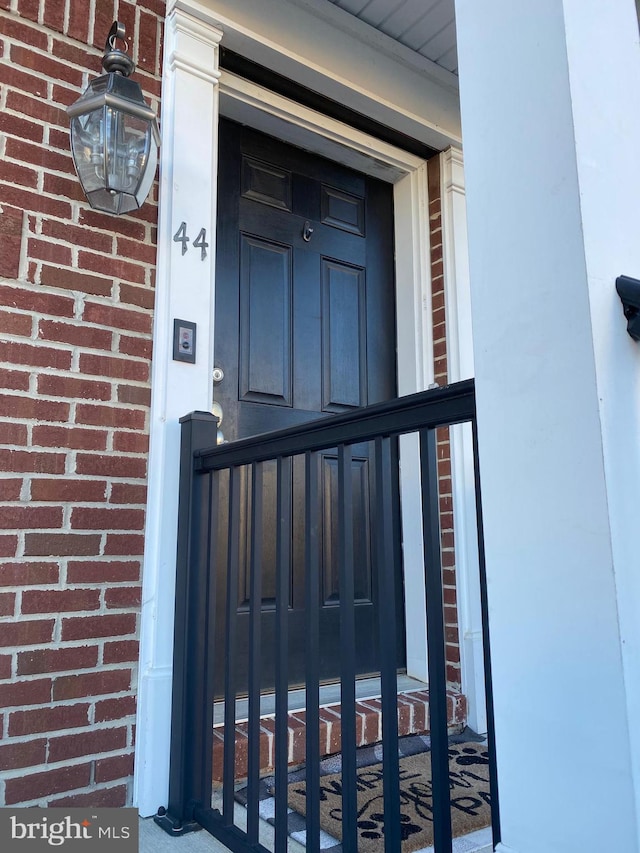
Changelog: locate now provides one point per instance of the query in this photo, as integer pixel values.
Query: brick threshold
(413, 718)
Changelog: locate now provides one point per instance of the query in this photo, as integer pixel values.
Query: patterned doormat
(470, 797)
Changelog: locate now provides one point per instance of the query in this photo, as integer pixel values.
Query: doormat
(469, 790)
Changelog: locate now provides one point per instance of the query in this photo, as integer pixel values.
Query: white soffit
(425, 26)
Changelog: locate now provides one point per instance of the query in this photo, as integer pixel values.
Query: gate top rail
(436, 407)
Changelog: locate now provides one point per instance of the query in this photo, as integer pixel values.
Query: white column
(184, 290)
(551, 129)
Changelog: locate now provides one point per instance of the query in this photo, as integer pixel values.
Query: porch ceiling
(425, 26)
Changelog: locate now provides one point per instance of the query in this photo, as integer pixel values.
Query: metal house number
(199, 243)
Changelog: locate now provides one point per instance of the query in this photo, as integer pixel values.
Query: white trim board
(194, 91)
(252, 104)
(183, 290)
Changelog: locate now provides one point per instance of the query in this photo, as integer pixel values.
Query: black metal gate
(207, 472)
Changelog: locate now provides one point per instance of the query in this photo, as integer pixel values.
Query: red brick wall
(76, 300)
(454, 678)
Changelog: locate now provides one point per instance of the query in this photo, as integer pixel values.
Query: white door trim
(193, 92)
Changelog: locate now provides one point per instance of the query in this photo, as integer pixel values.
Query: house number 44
(199, 243)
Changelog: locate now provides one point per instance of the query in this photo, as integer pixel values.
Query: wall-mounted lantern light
(114, 134)
(629, 293)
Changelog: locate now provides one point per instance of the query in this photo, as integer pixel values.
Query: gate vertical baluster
(435, 642)
(486, 649)
(283, 562)
(386, 572)
(233, 562)
(347, 648)
(255, 608)
(312, 592)
(210, 657)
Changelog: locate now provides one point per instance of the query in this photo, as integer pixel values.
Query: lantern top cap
(117, 61)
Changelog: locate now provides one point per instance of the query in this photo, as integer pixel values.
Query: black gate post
(192, 701)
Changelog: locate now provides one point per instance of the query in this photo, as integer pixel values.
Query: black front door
(305, 326)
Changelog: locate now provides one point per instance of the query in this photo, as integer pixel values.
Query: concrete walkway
(155, 840)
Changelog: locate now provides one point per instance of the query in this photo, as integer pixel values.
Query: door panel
(265, 321)
(267, 542)
(304, 327)
(361, 532)
(344, 336)
(342, 210)
(264, 183)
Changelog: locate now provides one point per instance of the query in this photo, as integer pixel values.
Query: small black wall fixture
(629, 293)
(114, 134)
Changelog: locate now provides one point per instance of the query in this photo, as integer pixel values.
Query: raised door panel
(266, 543)
(344, 345)
(265, 183)
(265, 321)
(362, 581)
(342, 210)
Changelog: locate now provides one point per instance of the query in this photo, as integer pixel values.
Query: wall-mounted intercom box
(184, 341)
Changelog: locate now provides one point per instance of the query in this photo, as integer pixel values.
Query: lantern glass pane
(127, 146)
(148, 167)
(88, 149)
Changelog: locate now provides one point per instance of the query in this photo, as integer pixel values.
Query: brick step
(413, 718)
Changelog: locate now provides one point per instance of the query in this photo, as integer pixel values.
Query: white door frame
(195, 93)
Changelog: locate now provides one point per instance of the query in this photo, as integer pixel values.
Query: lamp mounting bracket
(114, 60)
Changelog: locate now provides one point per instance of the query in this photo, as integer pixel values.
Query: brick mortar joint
(121, 723)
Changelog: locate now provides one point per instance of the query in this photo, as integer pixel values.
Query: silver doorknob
(218, 375)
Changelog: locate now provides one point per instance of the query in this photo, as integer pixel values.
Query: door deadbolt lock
(218, 375)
